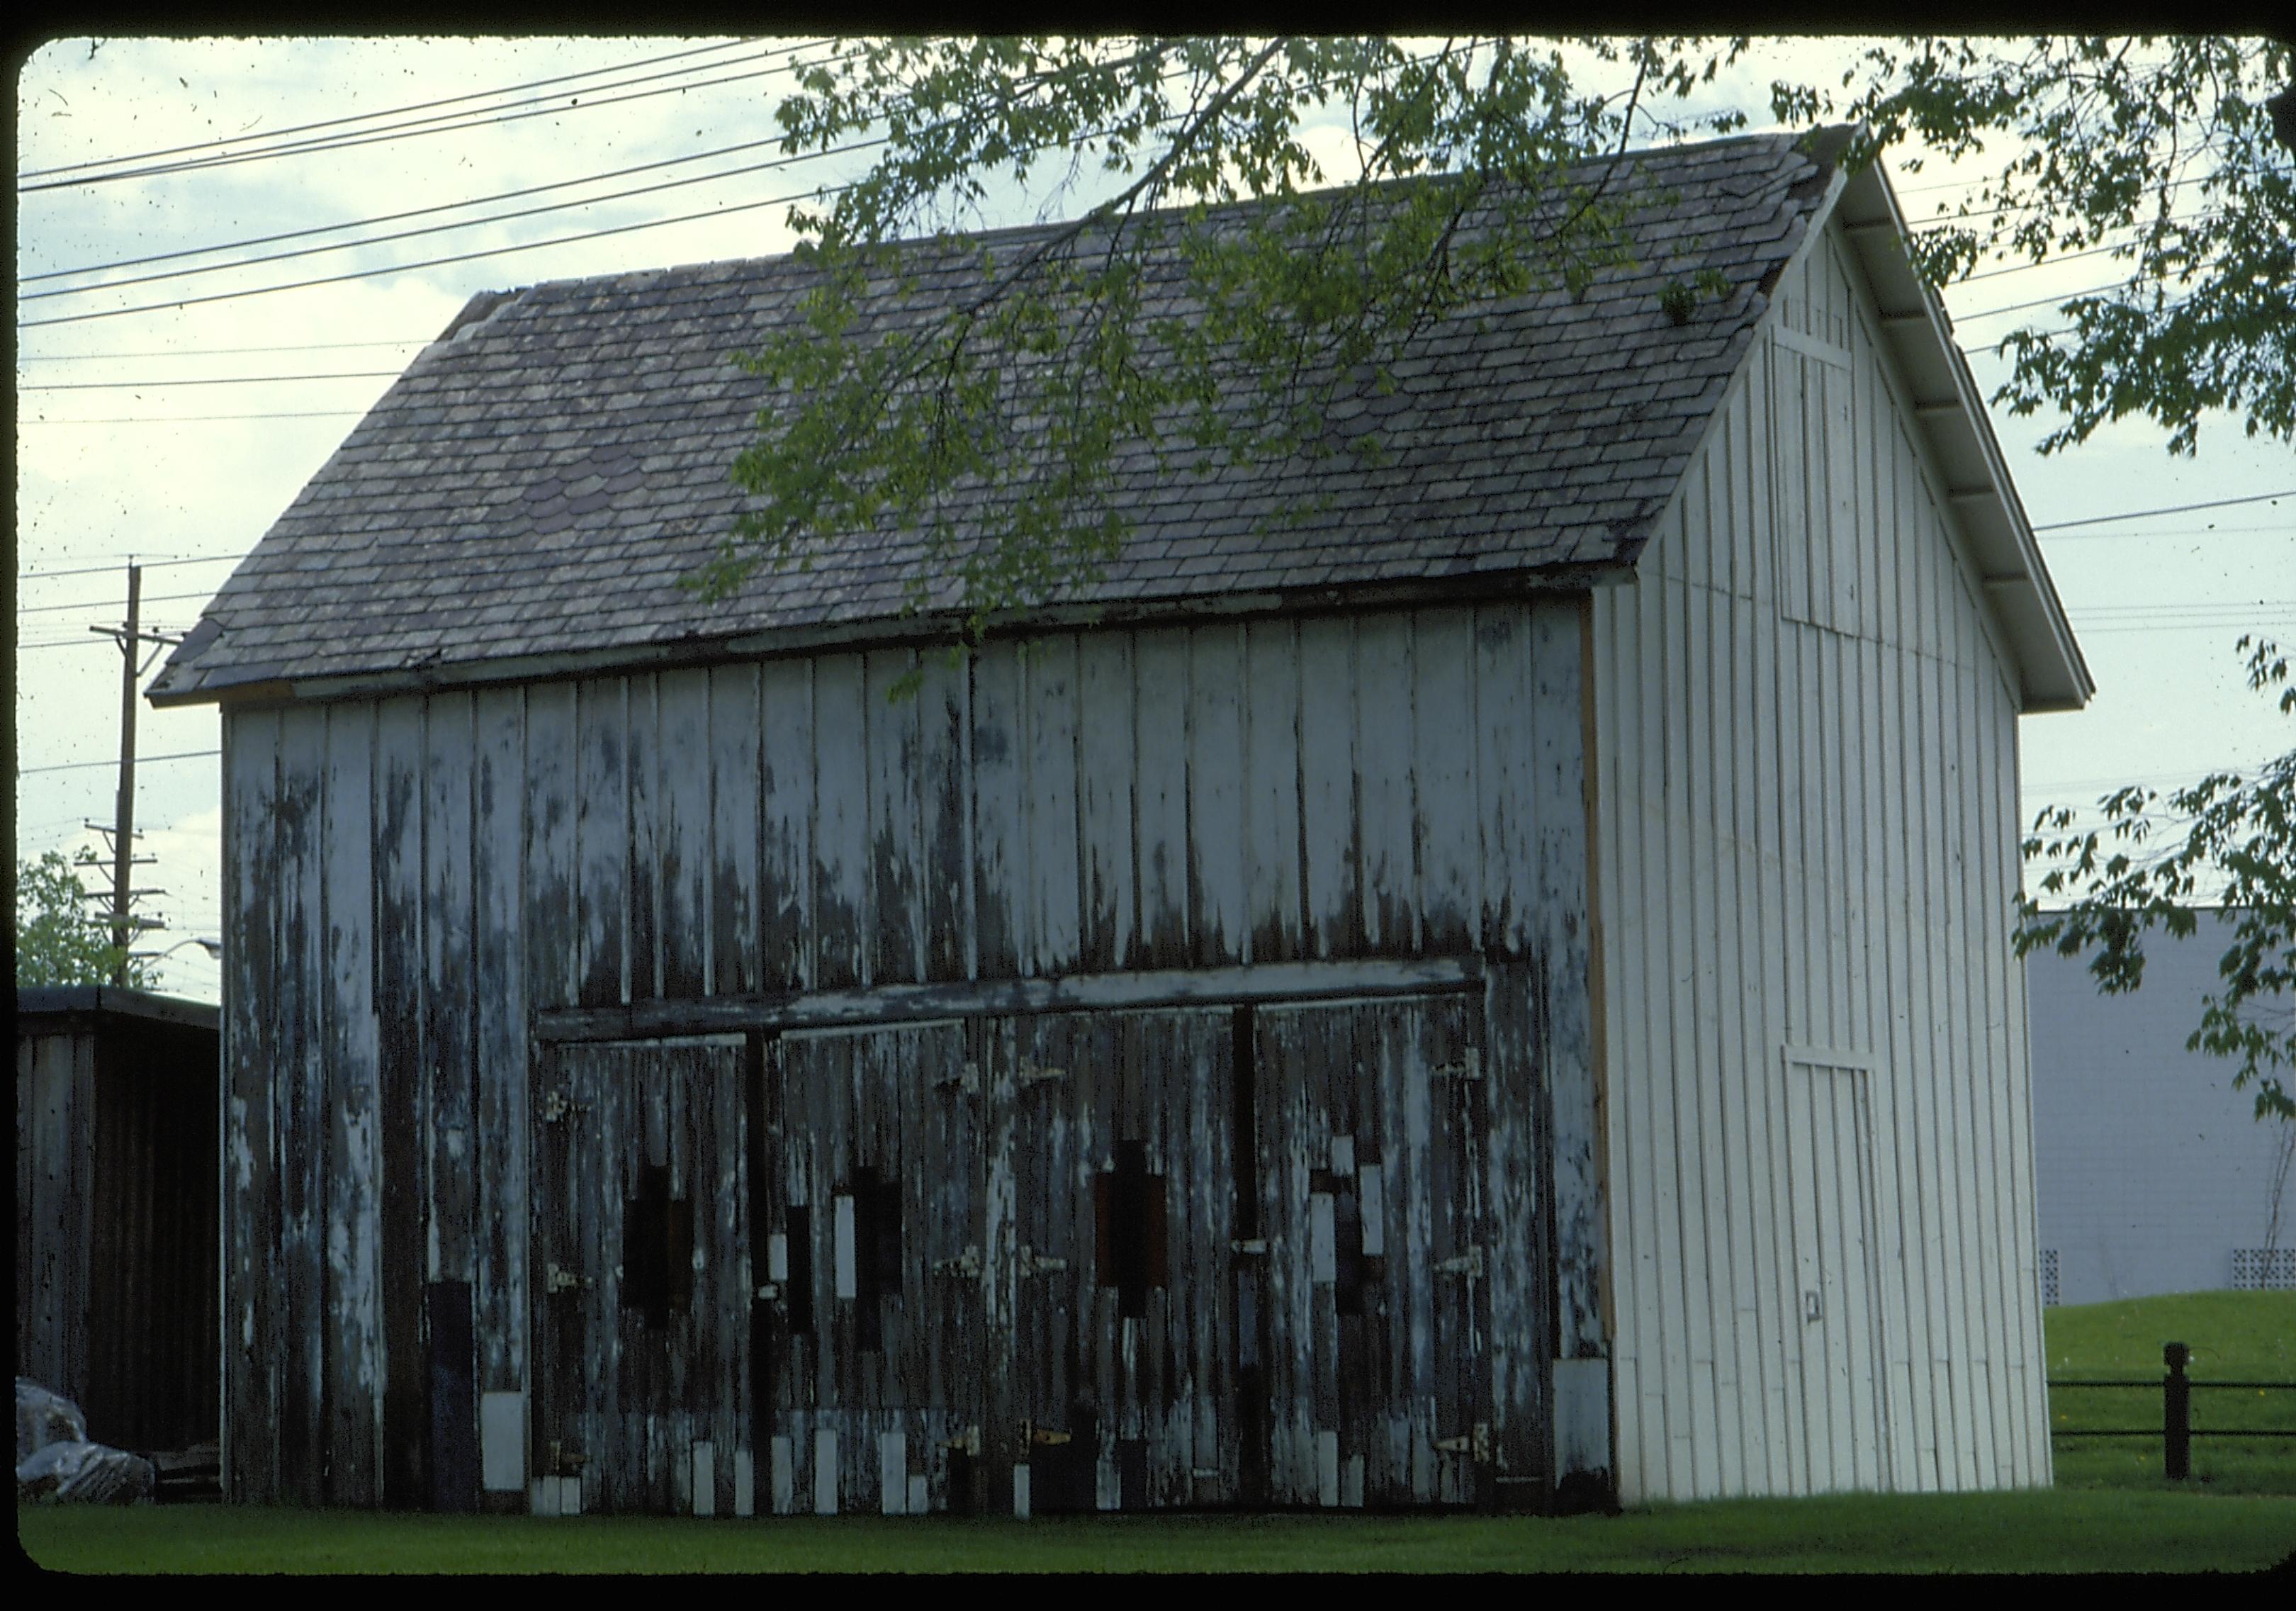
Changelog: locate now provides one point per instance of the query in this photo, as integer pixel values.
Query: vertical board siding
(254, 1365)
(413, 878)
(403, 1113)
(1805, 778)
(354, 1188)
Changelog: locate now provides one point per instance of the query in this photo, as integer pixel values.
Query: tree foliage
(1161, 319)
(59, 940)
(2154, 860)
(2158, 155)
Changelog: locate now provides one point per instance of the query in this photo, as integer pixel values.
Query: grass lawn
(2234, 1336)
(2111, 1511)
(2086, 1532)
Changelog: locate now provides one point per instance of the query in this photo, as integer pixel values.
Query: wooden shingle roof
(539, 480)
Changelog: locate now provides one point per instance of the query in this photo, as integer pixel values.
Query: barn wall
(115, 1237)
(409, 881)
(1807, 771)
(56, 1205)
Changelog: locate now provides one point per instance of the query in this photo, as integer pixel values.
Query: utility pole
(123, 816)
(131, 638)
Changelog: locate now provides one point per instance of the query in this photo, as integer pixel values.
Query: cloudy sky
(170, 404)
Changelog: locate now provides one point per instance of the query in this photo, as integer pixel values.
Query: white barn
(1500, 994)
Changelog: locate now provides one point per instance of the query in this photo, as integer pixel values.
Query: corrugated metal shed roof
(544, 474)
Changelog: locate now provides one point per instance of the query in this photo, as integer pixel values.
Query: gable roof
(525, 499)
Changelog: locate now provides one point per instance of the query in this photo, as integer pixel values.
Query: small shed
(116, 1232)
(1498, 992)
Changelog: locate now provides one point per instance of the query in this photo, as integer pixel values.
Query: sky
(173, 429)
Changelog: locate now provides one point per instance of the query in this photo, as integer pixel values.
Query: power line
(2061, 298)
(153, 565)
(369, 273)
(2173, 625)
(2065, 257)
(204, 419)
(2035, 206)
(2138, 515)
(393, 218)
(314, 147)
(68, 766)
(478, 95)
(204, 352)
(818, 192)
(103, 604)
(2188, 532)
(431, 229)
(224, 380)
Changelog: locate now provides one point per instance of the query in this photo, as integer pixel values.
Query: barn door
(1831, 1175)
(870, 1306)
(1370, 1120)
(640, 1279)
(1113, 1159)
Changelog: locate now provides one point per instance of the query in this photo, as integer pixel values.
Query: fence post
(2177, 1414)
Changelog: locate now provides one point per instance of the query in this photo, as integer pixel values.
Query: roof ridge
(1004, 232)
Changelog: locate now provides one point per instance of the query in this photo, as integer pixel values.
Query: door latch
(557, 1280)
(556, 1104)
(966, 1265)
(1468, 1264)
(1027, 1262)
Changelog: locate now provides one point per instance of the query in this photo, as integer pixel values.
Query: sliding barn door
(1113, 1158)
(870, 1311)
(1371, 1121)
(641, 1279)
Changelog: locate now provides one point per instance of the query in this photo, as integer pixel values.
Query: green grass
(2234, 1336)
(2090, 1532)
(2111, 1511)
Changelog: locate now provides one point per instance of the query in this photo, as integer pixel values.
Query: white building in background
(2152, 1175)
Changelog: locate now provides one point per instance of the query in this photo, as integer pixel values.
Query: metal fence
(2176, 1430)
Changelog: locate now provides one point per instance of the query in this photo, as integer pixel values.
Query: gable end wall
(1806, 797)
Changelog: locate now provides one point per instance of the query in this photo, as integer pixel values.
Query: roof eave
(267, 685)
(2051, 674)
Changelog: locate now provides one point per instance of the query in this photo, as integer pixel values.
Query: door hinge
(1044, 1437)
(557, 1280)
(966, 1083)
(556, 1104)
(1476, 1444)
(1468, 1067)
(966, 1265)
(1030, 1074)
(1253, 1247)
(1468, 1264)
(1028, 1263)
(565, 1462)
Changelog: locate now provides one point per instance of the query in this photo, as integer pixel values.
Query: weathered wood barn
(116, 1209)
(1496, 991)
